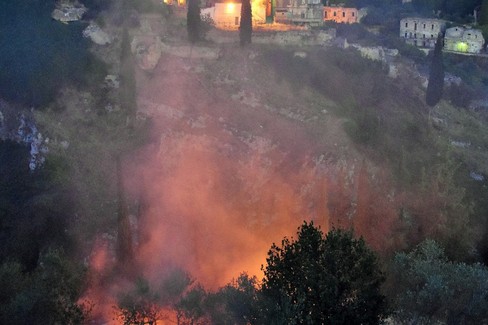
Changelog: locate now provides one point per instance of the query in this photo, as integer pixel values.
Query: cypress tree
(193, 21)
(245, 27)
(436, 76)
(124, 234)
(483, 18)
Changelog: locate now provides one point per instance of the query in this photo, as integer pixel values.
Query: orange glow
(230, 7)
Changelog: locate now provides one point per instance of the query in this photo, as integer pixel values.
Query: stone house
(227, 15)
(421, 32)
(466, 40)
(341, 15)
(299, 12)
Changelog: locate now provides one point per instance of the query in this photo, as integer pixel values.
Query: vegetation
(314, 279)
(245, 26)
(436, 77)
(429, 195)
(193, 21)
(428, 288)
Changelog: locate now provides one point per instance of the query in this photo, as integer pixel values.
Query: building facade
(421, 32)
(341, 15)
(466, 40)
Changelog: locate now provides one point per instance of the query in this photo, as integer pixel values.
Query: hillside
(225, 150)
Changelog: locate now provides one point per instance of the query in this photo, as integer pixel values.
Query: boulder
(97, 35)
(67, 11)
(147, 51)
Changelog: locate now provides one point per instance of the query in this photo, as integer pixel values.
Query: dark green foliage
(436, 76)
(483, 15)
(245, 27)
(237, 303)
(34, 209)
(427, 288)
(38, 55)
(47, 295)
(193, 21)
(317, 280)
(190, 307)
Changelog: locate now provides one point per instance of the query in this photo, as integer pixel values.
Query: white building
(421, 32)
(460, 39)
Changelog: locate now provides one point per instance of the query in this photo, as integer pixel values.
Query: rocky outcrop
(147, 53)
(66, 11)
(19, 126)
(97, 35)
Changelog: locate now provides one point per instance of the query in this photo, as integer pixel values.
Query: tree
(436, 76)
(317, 280)
(483, 18)
(427, 288)
(47, 295)
(139, 306)
(245, 27)
(193, 21)
(236, 303)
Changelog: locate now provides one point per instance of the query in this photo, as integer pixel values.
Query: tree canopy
(430, 289)
(314, 279)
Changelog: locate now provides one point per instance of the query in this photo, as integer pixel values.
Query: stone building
(300, 12)
(227, 15)
(460, 39)
(341, 15)
(421, 32)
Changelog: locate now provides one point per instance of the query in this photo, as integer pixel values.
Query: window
(236, 21)
(423, 36)
(414, 35)
(335, 13)
(343, 14)
(406, 25)
(424, 26)
(432, 26)
(431, 36)
(406, 35)
(415, 26)
(352, 13)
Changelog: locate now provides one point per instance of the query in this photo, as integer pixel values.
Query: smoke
(215, 207)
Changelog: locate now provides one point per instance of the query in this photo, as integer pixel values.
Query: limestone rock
(68, 11)
(97, 35)
(147, 53)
